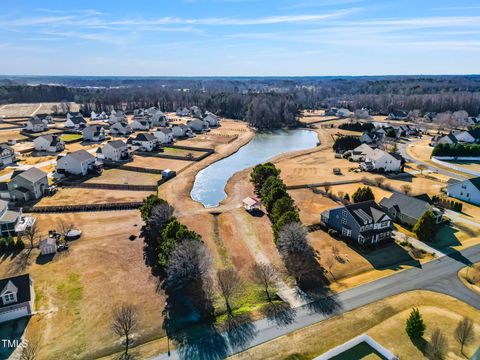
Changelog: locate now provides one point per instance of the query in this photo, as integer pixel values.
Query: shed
(48, 246)
(251, 204)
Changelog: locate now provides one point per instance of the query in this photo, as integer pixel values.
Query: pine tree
(415, 326)
(363, 194)
(426, 227)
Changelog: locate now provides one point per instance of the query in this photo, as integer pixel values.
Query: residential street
(403, 151)
(438, 275)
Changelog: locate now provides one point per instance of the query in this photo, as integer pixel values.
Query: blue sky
(239, 37)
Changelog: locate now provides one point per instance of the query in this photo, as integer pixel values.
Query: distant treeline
(357, 126)
(263, 102)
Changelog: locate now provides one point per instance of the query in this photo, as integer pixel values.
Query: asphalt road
(439, 275)
(403, 151)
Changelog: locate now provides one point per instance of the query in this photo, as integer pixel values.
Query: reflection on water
(210, 182)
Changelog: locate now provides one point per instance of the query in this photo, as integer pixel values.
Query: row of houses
(369, 223)
(467, 137)
(381, 131)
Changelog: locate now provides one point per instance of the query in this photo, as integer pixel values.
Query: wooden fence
(113, 186)
(84, 207)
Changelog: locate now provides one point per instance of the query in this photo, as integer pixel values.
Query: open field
(11, 135)
(181, 152)
(158, 163)
(77, 291)
(469, 165)
(19, 110)
(73, 196)
(384, 321)
(119, 176)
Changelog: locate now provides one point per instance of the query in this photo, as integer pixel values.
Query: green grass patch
(70, 137)
(71, 290)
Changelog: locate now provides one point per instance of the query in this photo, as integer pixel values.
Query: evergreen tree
(415, 326)
(363, 194)
(261, 173)
(426, 227)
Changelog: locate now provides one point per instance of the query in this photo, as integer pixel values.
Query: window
(9, 298)
(344, 221)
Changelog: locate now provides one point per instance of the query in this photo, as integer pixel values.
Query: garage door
(13, 314)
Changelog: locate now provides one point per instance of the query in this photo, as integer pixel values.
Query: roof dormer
(9, 293)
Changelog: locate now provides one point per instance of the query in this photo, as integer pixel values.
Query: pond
(209, 185)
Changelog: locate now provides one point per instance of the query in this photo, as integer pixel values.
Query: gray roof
(81, 155)
(22, 285)
(145, 137)
(165, 130)
(407, 205)
(77, 120)
(33, 174)
(367, 211)
(117, 144)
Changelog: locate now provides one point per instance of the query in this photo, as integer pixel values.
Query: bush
(363, 194)
(415, 327)
(332, 232)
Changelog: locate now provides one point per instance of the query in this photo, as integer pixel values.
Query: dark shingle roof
(117, 144)
(145, 137)
(33, 174)
(475, 182)
(22, 283)
(366, 210)
(410, 206)
(81, 155)
(78, 120)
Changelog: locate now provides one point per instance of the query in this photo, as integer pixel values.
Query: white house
(17, 297)
(120, 128)
(158, 119)
(116, 150)
(181, 131)
(398, 115)
(361, 152)
(344, 113)
(141, 124)
(380, 160)
(72, 114)
(469, 136)
(36, 125)
(116, 116)
(93, 133)
(7, 155)
(75, 122)
(101, 116)
(197, 125)
(46, 118)
(468, 190)
(196, 112)
(80, 162)
(164, 135)
(146, 141)
(368, 137)
(183, 112)
(212, 120)
(50, 143)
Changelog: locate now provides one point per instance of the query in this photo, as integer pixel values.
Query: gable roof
(410, 206)
(366, 211)
(117, 144)
(475, 133)
(51, 139)
(22, 287)
(145, 137)
(81, 155)
(475, 182)
(78, 120)
(33, 175)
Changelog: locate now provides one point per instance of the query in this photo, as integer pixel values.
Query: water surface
(209, 185)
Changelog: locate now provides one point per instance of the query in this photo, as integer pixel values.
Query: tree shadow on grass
(446, 239)
(420, 344)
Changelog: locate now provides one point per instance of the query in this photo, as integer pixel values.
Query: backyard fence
(84, 207)
(114, 186)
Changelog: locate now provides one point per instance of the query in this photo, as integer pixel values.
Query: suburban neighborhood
(242, 180)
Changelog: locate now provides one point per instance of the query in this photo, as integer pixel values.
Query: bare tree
(293, 238)
(159, 215)
(379, 180)
(31, 234)
(230, 286)
(124, 322)
(189, 261)
(336, 251)
(464, 332)
(327, 187)
(329, 262)
(407, 189)
(64, 227)
(266, 275)
(29, 350)
(422, 168)
(438, 346)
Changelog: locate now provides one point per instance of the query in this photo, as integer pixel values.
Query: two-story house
(13, 222)
(93, 133)
(7, 155)
(80, 162)
(75, 122)
(379, 160)
(116, 150)
(211, 119)
(140, 123)
(164, 135)
(36, 125)
(49, 143)
(364, 222)
(408, 209)
(120, 129)
(467, 190)
(25, 185)
(180, 131)
(145, 141)
(17, 297)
